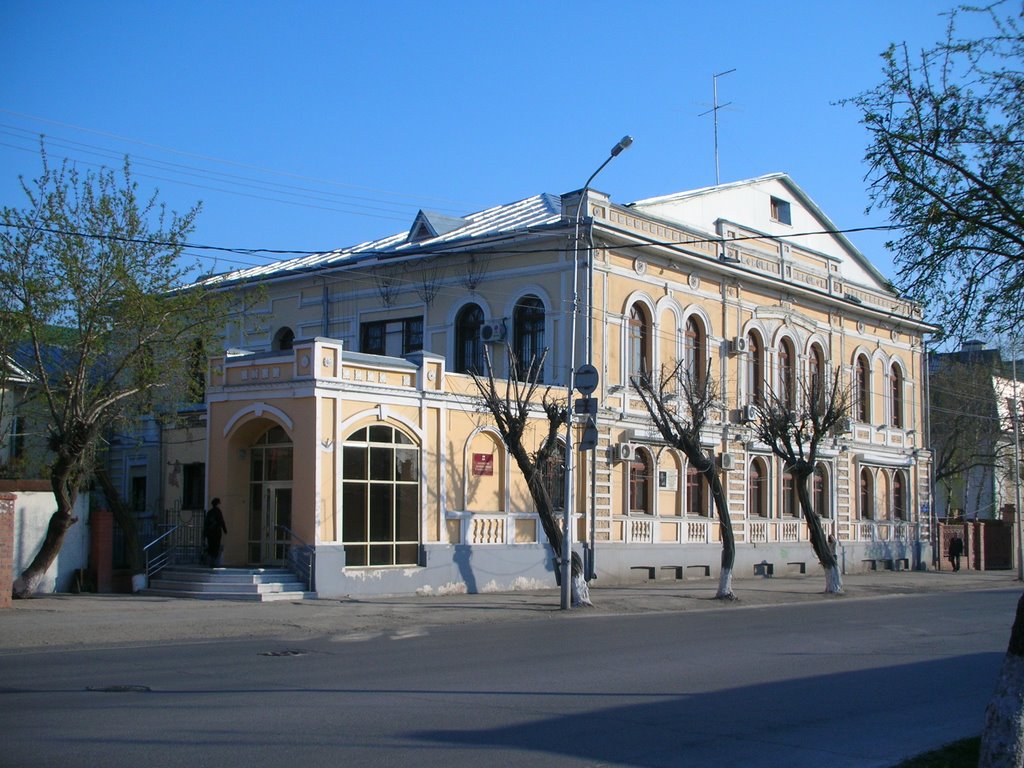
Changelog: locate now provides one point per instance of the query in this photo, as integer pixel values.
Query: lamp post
(570, 453)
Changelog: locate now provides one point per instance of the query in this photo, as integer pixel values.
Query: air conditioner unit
(748, 413)
(623, 452)
(844, 425)
(492, 331)
(738, 345)
(726, 461)
(668, 480)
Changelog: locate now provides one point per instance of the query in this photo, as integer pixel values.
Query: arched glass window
(469, 349)
(695, 350)
(639, 342)
(899, 495)
(896, 396)
(867, 495)
(757, 486)
(787, 373)
(755, 369)
(380, 498)
(283, 339)
(552, 471)
(816, 374)
(821, 494)
(790, 502)
(528, 329)
(640, 483)
(863, 389)
(696, 492)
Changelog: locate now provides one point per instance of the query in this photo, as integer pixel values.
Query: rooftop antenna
(714, 111)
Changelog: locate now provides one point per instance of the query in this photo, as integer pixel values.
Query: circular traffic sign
(586, 379)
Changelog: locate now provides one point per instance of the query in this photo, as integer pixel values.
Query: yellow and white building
(342, 413)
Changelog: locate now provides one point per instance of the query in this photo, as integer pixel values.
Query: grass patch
(959, 754)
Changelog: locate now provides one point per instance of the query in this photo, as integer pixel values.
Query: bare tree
(680, 407)
(514, 407)
(793, 425)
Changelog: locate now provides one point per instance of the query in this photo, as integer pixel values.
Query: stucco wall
(32, 512)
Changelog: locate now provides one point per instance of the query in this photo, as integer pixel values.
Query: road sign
(589, 440)
(586, 379)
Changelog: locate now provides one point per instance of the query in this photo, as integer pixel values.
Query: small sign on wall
(483, 463)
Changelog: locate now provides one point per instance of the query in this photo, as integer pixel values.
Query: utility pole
(714, 111)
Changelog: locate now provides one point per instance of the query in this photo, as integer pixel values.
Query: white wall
(32, 512)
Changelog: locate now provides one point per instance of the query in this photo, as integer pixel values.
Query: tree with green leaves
(680, 405)
(946, 160)
(793, 425)
(91, 276)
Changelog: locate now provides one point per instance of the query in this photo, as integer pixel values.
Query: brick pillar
(6, 548)
(101, 549)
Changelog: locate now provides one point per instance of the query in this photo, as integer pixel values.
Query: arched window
(867, 495)
(469, 349)
(528, 329)
(695, 350)
(757, 486)
(755, 369)
(899, 495)
(696, 492)
(816, 374)
(640, 483)
(380, 493)
(283, 339)
(821, 494)
(639, 342)
(863, 372)
(790, 502)
(787, 373)
(552, 471)
(896, 396)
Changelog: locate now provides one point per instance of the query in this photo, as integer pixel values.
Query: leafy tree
(795, 436)
(681, 422)
(514, 405)
(946, 159)
(91, 276)
(1002, 739)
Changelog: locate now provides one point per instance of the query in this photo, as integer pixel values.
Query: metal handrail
(308, 549)
(160, 560)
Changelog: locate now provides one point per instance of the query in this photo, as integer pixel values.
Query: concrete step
(253, 597)
(200, 582)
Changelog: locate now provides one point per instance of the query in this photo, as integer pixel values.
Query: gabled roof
(433, 232)
(669, 206)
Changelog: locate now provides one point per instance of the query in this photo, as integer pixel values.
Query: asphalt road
(839, 683)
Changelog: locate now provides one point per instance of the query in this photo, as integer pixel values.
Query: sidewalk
(56, 621)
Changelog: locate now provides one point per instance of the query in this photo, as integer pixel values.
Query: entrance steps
(202, 583)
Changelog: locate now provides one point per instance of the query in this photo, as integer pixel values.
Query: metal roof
(539, 210)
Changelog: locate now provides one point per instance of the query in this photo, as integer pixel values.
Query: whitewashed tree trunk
(1002, 740)
(725, 585)
(580, 591)
(833, 581)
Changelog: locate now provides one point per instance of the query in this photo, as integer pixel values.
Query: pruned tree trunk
(819, 541)
(1002, 740)
(728, 537)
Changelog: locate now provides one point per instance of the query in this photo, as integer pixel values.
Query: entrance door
(269, 525)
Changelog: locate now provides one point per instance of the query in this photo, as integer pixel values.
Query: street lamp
(570, 454)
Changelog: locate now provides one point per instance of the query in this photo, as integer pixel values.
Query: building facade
(343, 414)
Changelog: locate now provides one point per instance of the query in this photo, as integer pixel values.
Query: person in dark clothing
(213, 527)
(956, 549)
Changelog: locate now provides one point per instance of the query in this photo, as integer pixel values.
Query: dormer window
(429, 225)
(781, 211)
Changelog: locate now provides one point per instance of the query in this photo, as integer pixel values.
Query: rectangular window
(781, 211)
(391, 337)
(193, 485)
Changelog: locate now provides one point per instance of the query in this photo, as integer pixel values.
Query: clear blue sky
(316, 125)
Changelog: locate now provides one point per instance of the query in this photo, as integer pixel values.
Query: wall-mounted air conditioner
(748, 413)
(738, 345)
(726, 461)
(493, 331)
(623, 452)
(844, 425)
